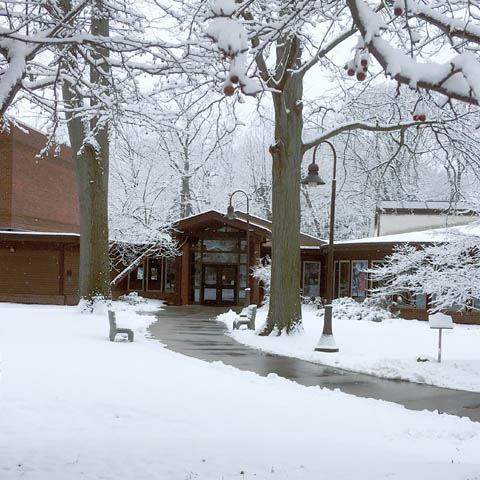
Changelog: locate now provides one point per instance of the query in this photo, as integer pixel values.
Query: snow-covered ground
(388, 349)
(75, 406)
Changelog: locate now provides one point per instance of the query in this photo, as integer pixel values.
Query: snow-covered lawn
(75, 406)
(387, 349)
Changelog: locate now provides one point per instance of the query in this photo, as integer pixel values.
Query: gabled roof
(196, 222)
(261, 226)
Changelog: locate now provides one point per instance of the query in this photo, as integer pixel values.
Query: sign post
(440, 321)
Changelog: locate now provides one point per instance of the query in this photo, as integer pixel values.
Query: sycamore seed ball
(234, 79)
(361, 76)
(397, 11)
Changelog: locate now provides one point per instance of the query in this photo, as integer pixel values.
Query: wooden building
(39, 245)
(212, 267)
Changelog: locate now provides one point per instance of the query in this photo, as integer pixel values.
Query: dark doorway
(219, 285)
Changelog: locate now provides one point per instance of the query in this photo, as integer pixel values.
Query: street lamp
(326, 342)
(232, 216)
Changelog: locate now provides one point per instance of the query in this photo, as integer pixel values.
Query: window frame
(319, 276)
(365, 261)
(162, 267)
(142, 264)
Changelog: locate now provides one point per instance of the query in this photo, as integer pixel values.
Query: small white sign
(440, 320)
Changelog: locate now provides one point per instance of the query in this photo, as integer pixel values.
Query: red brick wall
(44, 190)
(38, 271)
(29, 271)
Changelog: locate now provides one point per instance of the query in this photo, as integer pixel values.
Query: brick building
(39, 221)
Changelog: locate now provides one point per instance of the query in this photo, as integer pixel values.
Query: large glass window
(223, 246)
(476, 304)
(344, 280)
(218, 257)
(169, 274)
(411, 300)
(154, 276)
(311, 279)
(359, 278)
(136, 277)
(220, 245)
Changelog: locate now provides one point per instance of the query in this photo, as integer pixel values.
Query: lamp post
(232, 216)
(327, 341)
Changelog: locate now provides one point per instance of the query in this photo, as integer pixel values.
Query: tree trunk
(186, 194)
(284, 312)
(91, 166)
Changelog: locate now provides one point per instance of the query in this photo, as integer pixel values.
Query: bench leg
(130, 336)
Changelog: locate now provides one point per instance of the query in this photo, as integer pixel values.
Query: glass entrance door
(219, 284)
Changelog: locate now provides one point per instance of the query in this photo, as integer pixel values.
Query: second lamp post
(232, 216)
(327, 341)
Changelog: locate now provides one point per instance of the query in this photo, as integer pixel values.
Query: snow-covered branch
(446, 271)
(458, 78)
(371, 127)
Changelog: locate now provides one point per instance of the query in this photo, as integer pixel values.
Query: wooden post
(255, 292)
(439, 345)
(185, 276)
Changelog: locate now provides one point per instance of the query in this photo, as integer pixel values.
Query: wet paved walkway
(191, 331)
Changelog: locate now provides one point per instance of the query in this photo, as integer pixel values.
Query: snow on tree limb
(372, 127)
(457, 79)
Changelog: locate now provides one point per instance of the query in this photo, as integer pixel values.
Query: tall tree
(65, 46)
(284, 27)
(89, 139)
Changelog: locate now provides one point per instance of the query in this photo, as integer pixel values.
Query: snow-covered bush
(132, 298)
(348, 309)
(447, 271)
(262, 272)
(313, 301)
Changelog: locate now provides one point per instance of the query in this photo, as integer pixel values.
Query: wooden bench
(247, 317)
(114, 329)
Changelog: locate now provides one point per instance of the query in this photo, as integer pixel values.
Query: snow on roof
(261, 223)
(28, 232)
(423, 205)
(423, 236)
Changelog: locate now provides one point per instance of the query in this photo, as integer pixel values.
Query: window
(476, 304)
(135, 279)
(311, 279)
(411, 300)
(169, 274)
(336, 279)
(154, 277)
(156, 274)
(344, 279)
(359, 278)
(377, 283)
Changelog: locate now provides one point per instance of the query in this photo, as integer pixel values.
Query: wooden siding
(28, 271)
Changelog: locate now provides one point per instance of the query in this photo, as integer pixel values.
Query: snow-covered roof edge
(29, 232)
(422, 236)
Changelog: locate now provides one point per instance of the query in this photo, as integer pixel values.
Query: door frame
(218, 302)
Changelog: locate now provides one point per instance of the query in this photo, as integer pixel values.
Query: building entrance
(219, 285)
